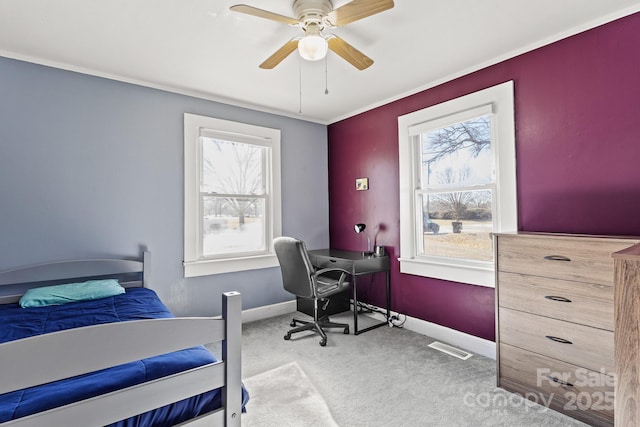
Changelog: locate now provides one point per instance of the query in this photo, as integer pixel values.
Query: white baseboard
(268, 311)
(452, 337)
(449, 336)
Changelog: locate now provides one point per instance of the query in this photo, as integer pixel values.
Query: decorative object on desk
(359, 228)
(378, 250)
(362, 184)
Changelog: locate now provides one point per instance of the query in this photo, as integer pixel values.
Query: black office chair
(301, 279)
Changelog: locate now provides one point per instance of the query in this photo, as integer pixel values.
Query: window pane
(458, 224)
(232, 168)
(232, 225)
(457, 155)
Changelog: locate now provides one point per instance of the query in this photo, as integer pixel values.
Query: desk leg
(355, 305)
(388, 273)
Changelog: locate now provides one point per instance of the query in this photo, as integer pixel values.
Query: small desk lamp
(359, 228)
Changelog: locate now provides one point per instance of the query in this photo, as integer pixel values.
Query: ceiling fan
(313, 16)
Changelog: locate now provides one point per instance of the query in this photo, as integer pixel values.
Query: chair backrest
(295, 265)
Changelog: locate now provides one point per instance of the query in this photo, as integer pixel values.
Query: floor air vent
(456, 352)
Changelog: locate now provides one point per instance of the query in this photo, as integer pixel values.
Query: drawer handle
(557, 298)
(559, 381)
(558, 339)
(557, 258)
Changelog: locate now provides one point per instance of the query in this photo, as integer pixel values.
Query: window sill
(481, 274)
(228, 265)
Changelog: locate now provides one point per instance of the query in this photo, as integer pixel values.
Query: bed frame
(27, 362)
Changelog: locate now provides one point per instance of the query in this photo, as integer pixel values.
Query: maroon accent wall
(577, 106)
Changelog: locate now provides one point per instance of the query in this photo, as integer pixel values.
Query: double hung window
(232, 195)
(457, 177)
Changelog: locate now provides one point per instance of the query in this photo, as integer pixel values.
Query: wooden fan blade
(357, 9)
(280, 54)
(349, 53)
(254, 11)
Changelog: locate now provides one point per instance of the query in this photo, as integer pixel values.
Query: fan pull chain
(326, 76)
(300, 85)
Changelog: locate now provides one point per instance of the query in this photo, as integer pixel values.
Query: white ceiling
(200, 48)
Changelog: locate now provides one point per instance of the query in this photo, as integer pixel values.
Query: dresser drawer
(576, 344)
(586, 259)
(572, 388)
(578, 302)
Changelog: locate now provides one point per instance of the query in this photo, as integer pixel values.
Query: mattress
(136, 304)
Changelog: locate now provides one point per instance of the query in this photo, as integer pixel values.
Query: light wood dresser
(555, 321)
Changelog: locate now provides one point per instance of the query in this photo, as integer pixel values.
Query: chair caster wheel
(287, 337)
(346, 331)
(293, 323)
(323, 343)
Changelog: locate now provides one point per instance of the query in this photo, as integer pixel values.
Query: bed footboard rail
(52, 357)
(102, 347)
(125, 403)
(232, 355)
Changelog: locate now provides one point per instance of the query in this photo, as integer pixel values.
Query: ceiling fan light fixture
(312, 16)
(313, 47)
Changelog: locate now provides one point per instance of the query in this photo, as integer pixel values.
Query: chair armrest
(327, 270)
(343, 274)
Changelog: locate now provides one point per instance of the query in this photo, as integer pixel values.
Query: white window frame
(195, 127)
(499, 101)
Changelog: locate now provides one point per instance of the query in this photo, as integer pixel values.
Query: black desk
(356, 264)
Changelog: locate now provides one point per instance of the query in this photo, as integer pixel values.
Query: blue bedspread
(135, 304)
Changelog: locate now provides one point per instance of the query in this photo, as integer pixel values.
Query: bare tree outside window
(455, 203)
(473, 136)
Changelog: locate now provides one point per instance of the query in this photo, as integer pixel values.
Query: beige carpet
(284, 397)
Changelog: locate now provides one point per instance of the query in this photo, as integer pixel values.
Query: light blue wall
(91, 167)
